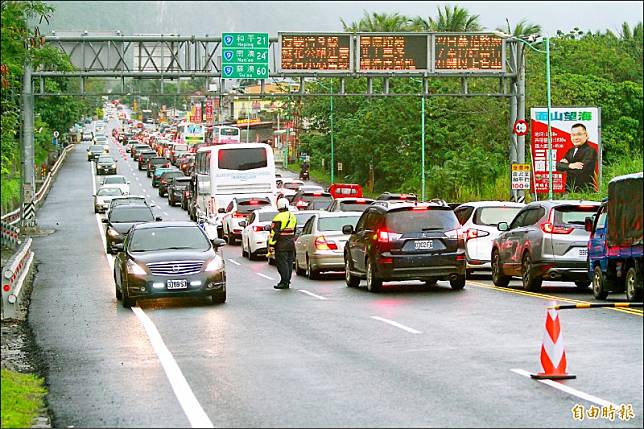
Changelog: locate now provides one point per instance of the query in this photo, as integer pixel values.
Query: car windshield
(103, 160)
(109, 192)
(127, 201)
(114, 180)
(410, 220)
(166, 238)
(354, 206)
(266, 216)
(158, 160)
(573, 215)
(492, 216)
(171, 174)
(131, 214)
(248, 206)
(336, 223)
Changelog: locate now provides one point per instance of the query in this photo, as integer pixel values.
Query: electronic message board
(392, 52)
(468, 52)
(321, 52)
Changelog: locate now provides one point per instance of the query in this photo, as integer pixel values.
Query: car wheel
(530, 281)
(251, 255)
(600, 283)
(458, 283)
(374, 284)
(126, 301)
(219, 298)
(243, 251)
(350, 279)
(311, 273)
(160, 193)
(299, 271)
(498, 278)
(633, 285)
(582, 284)
(117, 289)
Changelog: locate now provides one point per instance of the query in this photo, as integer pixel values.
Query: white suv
(479, 222)
(239, 209)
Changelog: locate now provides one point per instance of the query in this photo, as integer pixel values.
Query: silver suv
(545, 240)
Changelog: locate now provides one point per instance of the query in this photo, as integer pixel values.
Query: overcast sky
(212, 18)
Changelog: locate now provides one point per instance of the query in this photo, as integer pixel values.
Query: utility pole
(29, 175)
(521, 113)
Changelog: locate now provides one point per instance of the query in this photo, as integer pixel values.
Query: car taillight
(385, 238)
(183, 166)
(475, 233)
(164, 181)
(317, 194)
(556, 229)
(257, 228)
(186, 193)
(322, 244)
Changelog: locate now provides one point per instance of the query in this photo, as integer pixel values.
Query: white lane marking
(234, 262)
(166, 214)
(568, 389)
(265, 276)
(311, 293)
(137, 178)
(191, 406)
(397, 325)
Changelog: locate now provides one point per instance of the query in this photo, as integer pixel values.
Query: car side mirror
(218, 242)
(242, 224)
(502, 226)
(119, 247)
(267, 227)
(221, 210)
(128, 182)
(158, 219)
(104, 220)
(347, 229)
(588, 224)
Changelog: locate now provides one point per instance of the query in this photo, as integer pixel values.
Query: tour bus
(223, 134)
(191, 134)
(227, 171)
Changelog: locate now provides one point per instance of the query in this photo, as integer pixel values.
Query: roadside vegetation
(467, 139)
(22, 398)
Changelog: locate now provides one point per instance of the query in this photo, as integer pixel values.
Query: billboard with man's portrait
(575, 150)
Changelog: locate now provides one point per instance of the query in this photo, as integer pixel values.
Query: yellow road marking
(633, 311)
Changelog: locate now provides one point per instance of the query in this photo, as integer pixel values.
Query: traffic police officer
(282, 239)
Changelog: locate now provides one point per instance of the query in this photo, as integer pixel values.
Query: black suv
(405, 241)
(154, 162)
(311, 200)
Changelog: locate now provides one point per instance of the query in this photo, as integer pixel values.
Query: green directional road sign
(244, 55)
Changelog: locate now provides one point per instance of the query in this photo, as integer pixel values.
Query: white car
(479, 222)
(103, 197)
(289, 186)
(254, 239)
(117, 181)
(238, 210)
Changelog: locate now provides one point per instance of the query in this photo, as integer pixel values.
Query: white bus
(227, 171)
(223, 134)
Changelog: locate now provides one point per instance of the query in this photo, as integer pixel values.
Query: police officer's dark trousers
(284, 261)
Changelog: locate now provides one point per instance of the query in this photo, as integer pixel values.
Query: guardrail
(13, 217)
(13, 279)
(9, 235)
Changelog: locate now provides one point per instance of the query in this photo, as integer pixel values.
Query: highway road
(318, 355)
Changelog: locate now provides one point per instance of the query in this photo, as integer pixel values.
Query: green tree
(374, 22)
(450, 18)
(523, 28)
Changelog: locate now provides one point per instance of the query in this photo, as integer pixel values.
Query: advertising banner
(575, 151)
(198, 117)
(209, 112)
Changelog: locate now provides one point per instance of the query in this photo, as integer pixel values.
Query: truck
(616, 238)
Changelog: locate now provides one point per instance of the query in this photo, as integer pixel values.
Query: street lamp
(422, 139)
(531, 39)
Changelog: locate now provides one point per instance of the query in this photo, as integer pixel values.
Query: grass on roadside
(22, 398)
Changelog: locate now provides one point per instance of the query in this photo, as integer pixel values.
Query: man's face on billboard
(578, 136)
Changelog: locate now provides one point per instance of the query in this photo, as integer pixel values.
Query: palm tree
(633, 38)
(453, 18)
(523, 28)
(384, 22)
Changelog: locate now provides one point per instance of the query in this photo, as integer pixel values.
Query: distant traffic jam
(229, 190)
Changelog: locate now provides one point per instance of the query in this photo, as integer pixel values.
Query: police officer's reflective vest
(287, 224)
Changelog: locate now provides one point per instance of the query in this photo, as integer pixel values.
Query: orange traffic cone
(553, 351)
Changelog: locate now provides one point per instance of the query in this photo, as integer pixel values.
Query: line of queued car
(154, 258)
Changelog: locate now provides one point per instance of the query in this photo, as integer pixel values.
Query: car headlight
(135, 269)
(215, 265)
(113, 165)
(112, 232)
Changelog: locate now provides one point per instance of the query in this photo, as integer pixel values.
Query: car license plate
(423, 244)
(177, 284)
(583, 252)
